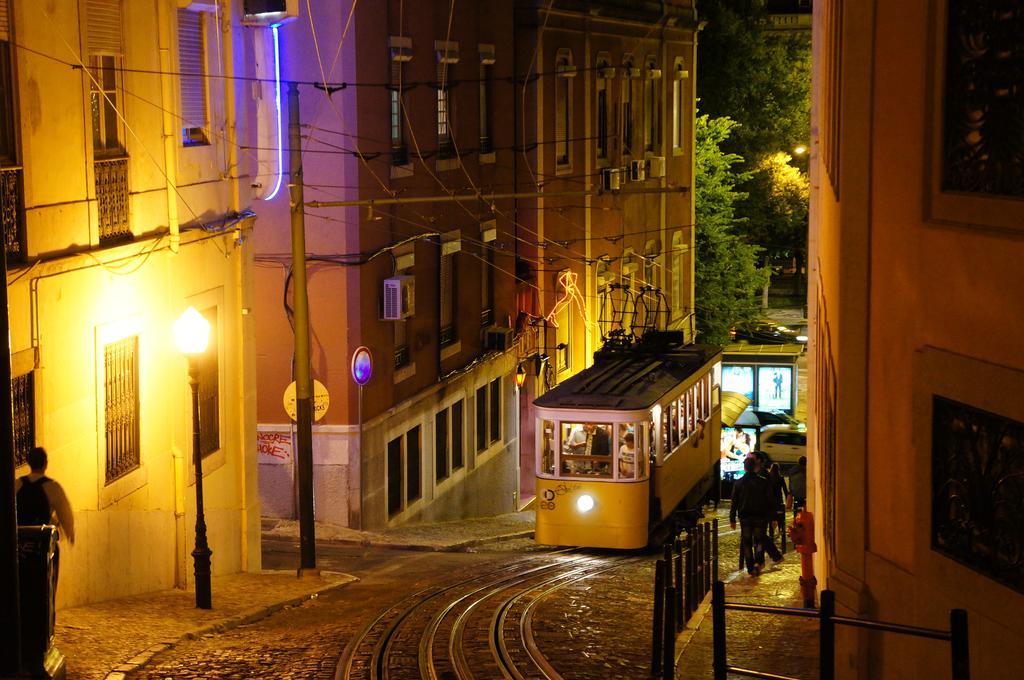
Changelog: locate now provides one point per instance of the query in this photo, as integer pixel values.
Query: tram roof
(629, 379)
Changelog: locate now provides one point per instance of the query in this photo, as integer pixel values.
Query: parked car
(783, 444)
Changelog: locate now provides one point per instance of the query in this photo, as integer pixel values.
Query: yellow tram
(621, 444)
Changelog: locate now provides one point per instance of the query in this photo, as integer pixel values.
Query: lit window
(192, 66)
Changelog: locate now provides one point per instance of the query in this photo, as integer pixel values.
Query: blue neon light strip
(277, 105)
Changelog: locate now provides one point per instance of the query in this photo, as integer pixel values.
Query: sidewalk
(440, 536)
(761, 642)
(109, 639)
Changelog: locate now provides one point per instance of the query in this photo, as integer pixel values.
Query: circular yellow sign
(321, 400)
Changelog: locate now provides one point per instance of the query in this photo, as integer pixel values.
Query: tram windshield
(593, 450)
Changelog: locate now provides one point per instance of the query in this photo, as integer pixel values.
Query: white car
(783, 444)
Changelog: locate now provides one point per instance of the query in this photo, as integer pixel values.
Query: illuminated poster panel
(775, 388)
(739, 379)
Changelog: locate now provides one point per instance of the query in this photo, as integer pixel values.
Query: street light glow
(191, 332)
(800, 150)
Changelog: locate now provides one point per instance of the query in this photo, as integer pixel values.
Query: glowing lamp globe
(191, 332)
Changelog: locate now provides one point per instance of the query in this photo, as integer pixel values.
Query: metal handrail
(895, 628)
(956, 635)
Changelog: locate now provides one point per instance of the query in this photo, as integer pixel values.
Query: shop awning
(733, 404)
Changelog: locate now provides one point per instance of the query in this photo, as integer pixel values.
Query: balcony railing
(112, 198)
(401, 356)
(12, 213)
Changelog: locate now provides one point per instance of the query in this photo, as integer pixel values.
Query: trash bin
(36, 545)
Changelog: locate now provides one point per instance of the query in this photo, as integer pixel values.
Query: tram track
(381, 649)
(475, 627)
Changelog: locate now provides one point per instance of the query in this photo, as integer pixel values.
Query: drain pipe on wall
(170, 129)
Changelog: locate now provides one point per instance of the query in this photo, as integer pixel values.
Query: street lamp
(192, 332)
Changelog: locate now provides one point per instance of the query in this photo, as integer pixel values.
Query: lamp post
(192, 332)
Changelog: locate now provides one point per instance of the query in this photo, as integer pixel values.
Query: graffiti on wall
(274, 448)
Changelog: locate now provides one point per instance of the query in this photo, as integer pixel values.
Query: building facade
(124, 203)
(526, 106)
(916, 367)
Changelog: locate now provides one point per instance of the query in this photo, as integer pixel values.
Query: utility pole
(10, 623)
(303, 379)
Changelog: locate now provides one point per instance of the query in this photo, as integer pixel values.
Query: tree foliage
(762, 80)
(757, 77)
(727, 278)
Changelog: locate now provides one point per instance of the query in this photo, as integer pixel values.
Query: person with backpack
(41, 500)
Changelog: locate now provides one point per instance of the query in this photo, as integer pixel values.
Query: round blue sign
(362, 365)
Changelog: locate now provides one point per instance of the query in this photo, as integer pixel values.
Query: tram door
(527, 443)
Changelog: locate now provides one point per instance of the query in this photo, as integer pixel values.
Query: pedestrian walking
(798, 485)
(752, 503)
(41, 500)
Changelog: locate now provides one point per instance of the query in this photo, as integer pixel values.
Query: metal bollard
(714, 549)
(708, 558)
(827, 636)
(657, 634)
(677, 561)
(958, 644)
(688, 592)
(668, 663)
(718, 630)
(699, 537)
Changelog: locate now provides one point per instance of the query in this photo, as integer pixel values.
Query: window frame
(563, 135)
(194, 135)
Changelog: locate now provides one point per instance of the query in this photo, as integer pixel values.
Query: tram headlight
(585, 503)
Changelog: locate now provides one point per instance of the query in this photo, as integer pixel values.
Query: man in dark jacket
(41, 500)
(752, 502)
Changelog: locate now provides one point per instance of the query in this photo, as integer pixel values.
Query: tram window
(627, 451)
(674, 425)
(586, 449)
(666, 449)
(547, 450)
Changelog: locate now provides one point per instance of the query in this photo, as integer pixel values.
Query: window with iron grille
(445, 110)
(394, 476)
(209, 390)
(23, 423)
(121, 408)
(192, 66)
(448, 441)
(458, 437)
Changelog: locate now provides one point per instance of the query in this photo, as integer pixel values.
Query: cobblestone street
(588, 628)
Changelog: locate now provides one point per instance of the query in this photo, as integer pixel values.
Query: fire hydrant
(802, 535)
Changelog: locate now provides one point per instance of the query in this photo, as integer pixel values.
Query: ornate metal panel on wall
(825, 409)
(978, 490)
(984, 98)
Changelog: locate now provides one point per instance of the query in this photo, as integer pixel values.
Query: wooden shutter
(103, 27)
(192, 66)
(5, 20)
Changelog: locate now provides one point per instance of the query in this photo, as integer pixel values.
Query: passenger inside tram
(627, 456)
(583, 448)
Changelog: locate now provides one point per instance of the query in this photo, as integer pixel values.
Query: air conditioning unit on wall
(269, 12)
(611, 179)
(637, 171)
(657, 167)
(399, 301)
(497, 338)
